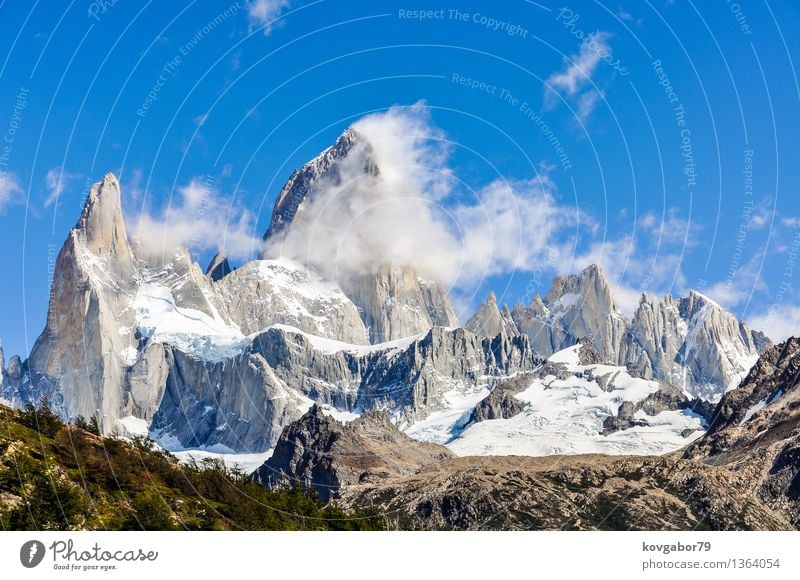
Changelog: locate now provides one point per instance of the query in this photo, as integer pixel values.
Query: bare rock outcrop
(588, 492)
(321, 452)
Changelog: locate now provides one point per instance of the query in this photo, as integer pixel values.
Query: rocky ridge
(328, 455)
(691, 343)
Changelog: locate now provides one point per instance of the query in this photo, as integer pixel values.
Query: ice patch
(338, 414)
(133, 426)
(191, 331)
(760, 406)
(246, 462)
(129, 355)
(331, 346)
(562, 416)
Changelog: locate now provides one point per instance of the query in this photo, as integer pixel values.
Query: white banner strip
(371, 555)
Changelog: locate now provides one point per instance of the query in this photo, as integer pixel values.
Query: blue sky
(666, 132)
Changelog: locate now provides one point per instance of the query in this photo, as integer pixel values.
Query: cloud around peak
(199, 218)
(413, 211)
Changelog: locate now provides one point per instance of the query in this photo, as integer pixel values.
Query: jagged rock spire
(93, 284)
(490, 321)
(101, 226)
(303, 182)
(219, 267)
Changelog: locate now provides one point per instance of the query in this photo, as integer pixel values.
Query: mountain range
(233, 360)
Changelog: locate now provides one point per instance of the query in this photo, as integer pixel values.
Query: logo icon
(32, 553)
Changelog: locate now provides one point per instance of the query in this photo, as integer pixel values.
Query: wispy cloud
(264, 12)
(740, 284)
(668, 228)
(132, 183)
(581, 66)
(575, 81)
(790, 222)
(623, 14)
(9, 189)
(56, 180)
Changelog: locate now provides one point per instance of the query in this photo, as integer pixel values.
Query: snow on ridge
(708, 300)
(331, 346)
(293, 276)
(569, 356)
(761, 405)
(562, 416)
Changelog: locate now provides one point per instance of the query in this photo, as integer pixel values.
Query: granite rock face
(501, 403)
(576, 307)
(304, 183)
(89, 302)
(244, 402)
(490, 321)
(692, 343)
(395, 302)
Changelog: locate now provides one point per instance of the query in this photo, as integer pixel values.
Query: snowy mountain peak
(692, 343)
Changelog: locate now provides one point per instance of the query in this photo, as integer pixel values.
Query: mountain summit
(692, 343)
(393, 299)
(150, 344)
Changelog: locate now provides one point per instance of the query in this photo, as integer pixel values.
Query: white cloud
(410, 213)
(199, 219)
(581, 66)
(778, 323)
(264, 12)
(578, 74)
(56, 180)
(587, 103)
(9, 189)
(132, 185)
(623, 14)
(762, 214)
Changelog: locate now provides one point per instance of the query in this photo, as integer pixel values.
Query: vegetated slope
(55, 476)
